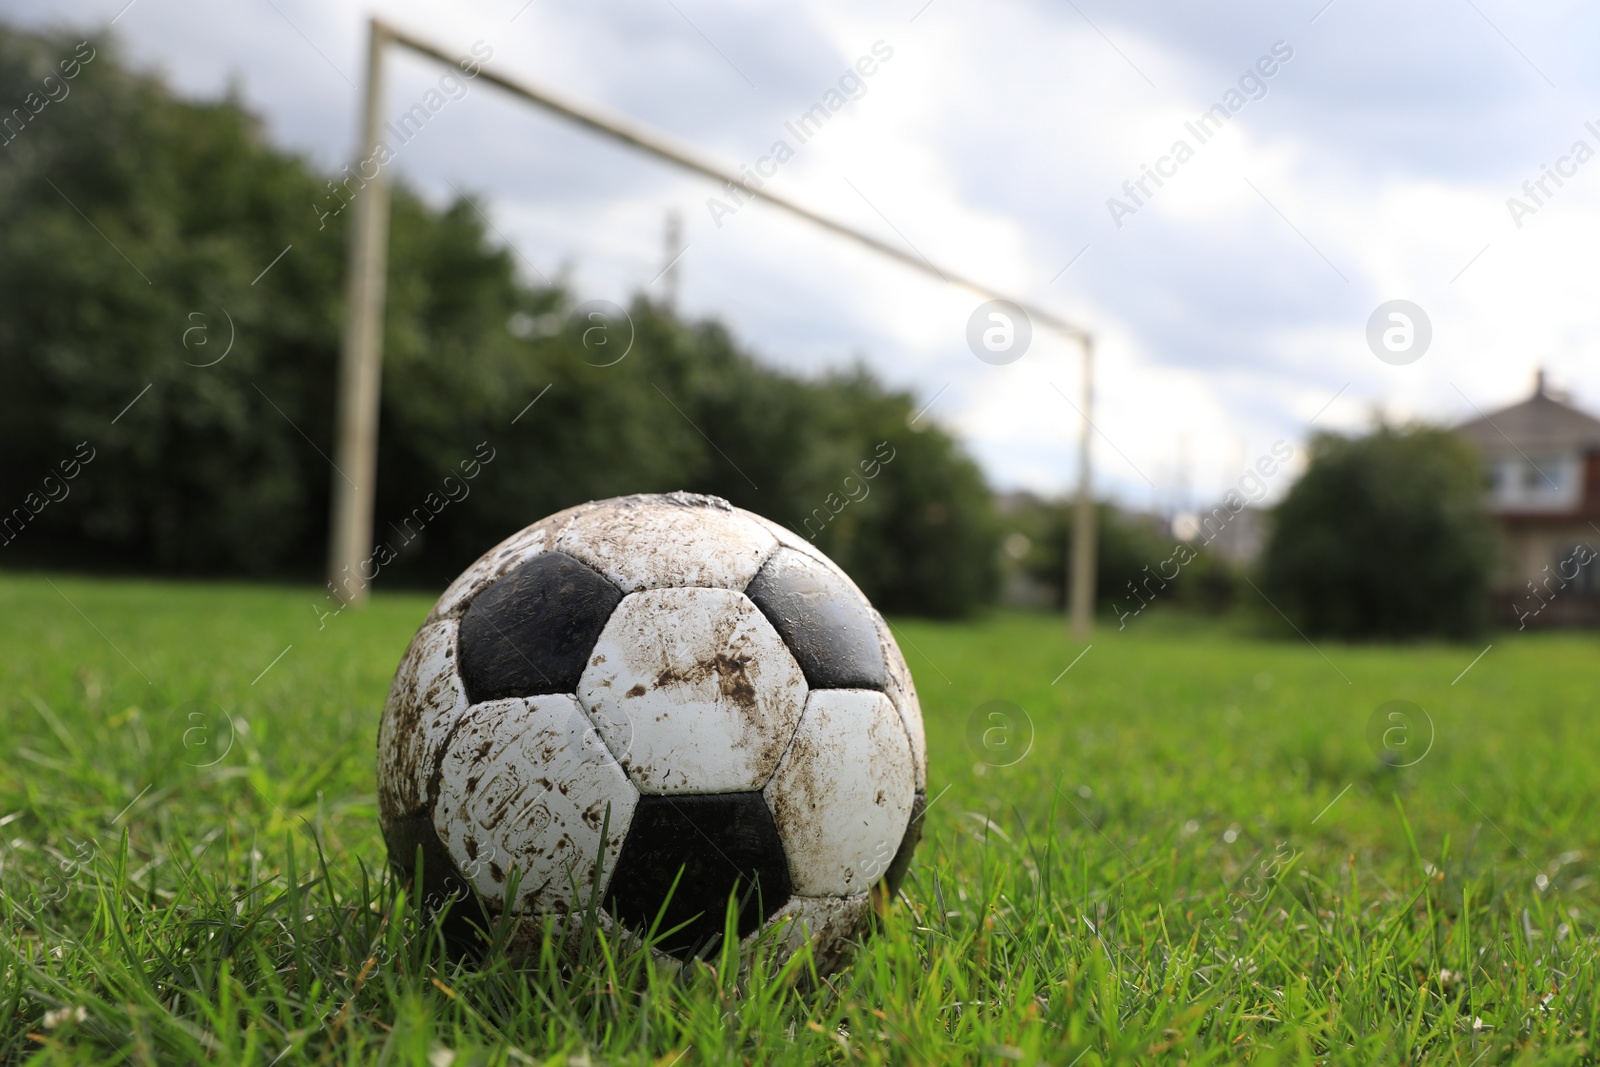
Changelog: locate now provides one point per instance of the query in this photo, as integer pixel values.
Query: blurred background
(174, 200)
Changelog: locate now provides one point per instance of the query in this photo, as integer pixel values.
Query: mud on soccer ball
(641, 709)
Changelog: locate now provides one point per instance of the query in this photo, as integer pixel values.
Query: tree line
(172, 305)
(171, 288)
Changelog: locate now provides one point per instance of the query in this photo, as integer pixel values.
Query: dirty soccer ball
(641, 708)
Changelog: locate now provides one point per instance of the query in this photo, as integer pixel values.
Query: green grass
(1198, 858)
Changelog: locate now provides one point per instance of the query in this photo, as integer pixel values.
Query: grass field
(1183, 849)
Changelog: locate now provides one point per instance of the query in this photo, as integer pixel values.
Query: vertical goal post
(361, 350)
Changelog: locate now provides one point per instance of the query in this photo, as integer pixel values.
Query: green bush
(1384, 536)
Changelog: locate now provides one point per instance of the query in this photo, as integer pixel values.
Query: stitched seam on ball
(777, 546)
(801, 721)
(605, 742)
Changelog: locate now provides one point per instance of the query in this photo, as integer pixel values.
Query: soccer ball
(639, 708)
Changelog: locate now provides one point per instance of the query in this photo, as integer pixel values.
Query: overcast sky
(1230, 303)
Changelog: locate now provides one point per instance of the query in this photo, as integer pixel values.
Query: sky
(1393, 152)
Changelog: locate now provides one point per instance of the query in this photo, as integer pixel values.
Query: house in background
(1542, 458)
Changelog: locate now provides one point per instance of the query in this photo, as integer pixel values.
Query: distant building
(1542, 458)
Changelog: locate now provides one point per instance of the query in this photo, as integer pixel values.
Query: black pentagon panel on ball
(895, 873)
(531, 632)
(826, 624)
(724, 844)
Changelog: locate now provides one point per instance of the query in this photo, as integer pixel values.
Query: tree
(1384, 536)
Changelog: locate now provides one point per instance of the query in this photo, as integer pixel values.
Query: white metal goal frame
(361, 350)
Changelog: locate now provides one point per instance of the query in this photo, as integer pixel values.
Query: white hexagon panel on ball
(693, 691)
(527, 785)
(842, 795)
(424, 704)
(678, 539)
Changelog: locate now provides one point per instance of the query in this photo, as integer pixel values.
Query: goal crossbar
(361, 353)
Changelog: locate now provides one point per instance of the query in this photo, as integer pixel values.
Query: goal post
(355, 441)
(361, 352)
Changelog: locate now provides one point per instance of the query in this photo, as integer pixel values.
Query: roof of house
(1541, 422)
